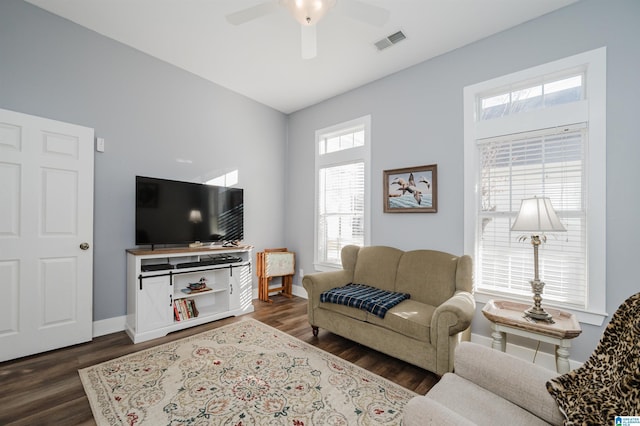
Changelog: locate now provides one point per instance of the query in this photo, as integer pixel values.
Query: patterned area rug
(245, 373)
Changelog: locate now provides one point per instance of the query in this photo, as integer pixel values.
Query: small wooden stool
(271, 263)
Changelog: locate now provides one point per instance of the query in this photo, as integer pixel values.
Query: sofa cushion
(409, 318)
(424, 411)
(428, 275)
(377, 267)
(348, 311)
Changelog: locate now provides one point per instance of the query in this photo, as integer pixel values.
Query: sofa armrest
(453, 316)
(422, 410)
(319, 282)
(448, 322)
(514, 379)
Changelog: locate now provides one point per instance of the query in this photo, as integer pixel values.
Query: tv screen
(174, 212)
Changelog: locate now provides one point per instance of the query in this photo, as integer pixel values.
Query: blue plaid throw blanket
(361, 296)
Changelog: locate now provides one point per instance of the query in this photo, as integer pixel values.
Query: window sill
(583, 316)
(326, 267)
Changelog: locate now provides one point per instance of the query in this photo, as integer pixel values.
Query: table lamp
(537, 216)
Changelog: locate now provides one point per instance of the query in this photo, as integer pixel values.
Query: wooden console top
(187, 250)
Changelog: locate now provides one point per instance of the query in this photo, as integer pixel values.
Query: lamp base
(536, 312)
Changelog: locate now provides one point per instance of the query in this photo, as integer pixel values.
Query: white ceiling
(261, 59)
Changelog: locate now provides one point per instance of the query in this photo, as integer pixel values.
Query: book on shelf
(187, 303)
(193, 306)
(181, 309)
(184, 309)
(176, 312)
(182, 312)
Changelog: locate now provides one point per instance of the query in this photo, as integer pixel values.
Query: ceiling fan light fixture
(308, 12)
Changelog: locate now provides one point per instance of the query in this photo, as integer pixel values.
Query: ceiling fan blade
(251, 13)
(367, 13)
(309, 42)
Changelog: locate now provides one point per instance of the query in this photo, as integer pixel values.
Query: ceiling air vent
(390, 40)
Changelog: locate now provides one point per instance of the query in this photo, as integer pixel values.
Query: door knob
(84, 246)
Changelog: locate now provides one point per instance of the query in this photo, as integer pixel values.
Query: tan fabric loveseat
(423, 330)
(488, 387)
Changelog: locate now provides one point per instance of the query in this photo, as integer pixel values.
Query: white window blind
(548, 163)
(341, 210)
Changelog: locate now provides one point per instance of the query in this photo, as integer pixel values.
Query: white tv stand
(156, 279)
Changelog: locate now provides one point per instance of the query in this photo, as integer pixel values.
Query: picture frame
(411, 189)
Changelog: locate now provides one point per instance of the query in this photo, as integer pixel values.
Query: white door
(46, 234)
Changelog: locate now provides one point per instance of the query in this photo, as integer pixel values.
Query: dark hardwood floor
(46, 388)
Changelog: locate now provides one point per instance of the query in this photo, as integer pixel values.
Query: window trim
(360, 153)
(592, 111)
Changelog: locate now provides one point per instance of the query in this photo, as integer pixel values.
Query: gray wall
(149, 113)
(417, 119)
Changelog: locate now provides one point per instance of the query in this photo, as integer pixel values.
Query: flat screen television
(173, 212)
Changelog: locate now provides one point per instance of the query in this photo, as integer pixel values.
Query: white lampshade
(195, 216)
(537, 215)
(308, 12)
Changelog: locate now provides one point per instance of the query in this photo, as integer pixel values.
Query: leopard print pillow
(608, 384)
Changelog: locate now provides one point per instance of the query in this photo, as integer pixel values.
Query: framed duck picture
(411, 190)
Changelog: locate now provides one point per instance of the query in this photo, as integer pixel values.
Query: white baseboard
(109, 325)
(299, 291)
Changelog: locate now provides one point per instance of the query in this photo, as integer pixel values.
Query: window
(529, 97)
(342, 190)
(539, 132)
(549, 164)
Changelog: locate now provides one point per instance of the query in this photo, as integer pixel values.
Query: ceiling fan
(309, 13)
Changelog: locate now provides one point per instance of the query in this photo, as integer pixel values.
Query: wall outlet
(301, 273)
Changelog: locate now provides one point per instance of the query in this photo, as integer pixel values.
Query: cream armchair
(488, 387)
